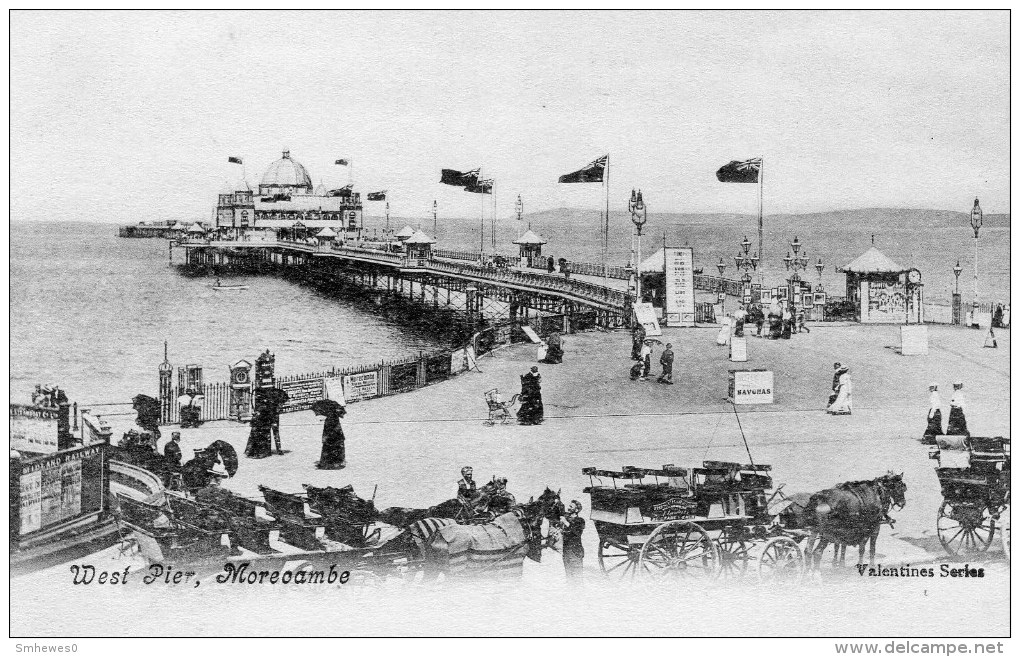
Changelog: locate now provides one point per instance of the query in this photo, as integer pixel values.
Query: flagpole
(493, 236)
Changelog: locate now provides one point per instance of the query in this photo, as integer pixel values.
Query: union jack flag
(740, 172)
(592, 172)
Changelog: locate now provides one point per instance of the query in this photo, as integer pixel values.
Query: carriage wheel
(679, 548)
(734, 553)
(965, 528)
(782, 561)
(1004, 530)
(618, 558)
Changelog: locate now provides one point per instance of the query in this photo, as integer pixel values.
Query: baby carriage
(499, 409)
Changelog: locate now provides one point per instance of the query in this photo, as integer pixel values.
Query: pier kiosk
(882, 291)
(531, 248)
(419, 246)
(404, 233)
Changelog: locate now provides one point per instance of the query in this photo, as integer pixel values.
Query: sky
(124, 117)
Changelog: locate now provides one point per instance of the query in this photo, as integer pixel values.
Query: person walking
(572, 527)
(843, 404)
(759, 318)
(787, 329)
(740, 317)
(801, 326)
(957, 425)
(666, 360)
(638, 338)
(646, 360)
(532, 410)
(334, 454)
(934, 427)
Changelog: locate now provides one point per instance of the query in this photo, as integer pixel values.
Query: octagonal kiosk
(419, 246)
(404, 233)
(882, 291)
(531, 248)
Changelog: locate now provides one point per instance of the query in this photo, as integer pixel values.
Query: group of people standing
(957, 425)
(783, 319)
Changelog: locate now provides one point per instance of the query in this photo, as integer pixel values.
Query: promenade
(413, 445)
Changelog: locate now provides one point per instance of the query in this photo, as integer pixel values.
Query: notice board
(679, 308)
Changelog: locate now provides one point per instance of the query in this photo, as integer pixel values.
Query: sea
(91, 312)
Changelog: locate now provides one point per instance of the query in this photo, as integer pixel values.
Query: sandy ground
(412, 447)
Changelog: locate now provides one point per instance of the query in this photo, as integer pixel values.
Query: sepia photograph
(510, 323)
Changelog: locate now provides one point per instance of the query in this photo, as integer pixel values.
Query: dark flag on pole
(479, 187)
(343, 163)
(377, 196)
(234, 160)
(458, 178)
(740, 172)
(592, 173)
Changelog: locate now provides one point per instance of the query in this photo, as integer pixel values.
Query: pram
(499, 409)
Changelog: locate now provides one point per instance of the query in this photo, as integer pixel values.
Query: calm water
(90, 311)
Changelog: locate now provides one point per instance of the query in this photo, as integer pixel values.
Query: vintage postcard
(511, 324)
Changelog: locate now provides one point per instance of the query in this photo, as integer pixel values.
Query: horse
(852, 513)
(496, 548)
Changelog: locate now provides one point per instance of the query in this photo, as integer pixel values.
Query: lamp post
(819, 267)
(746, 262)
(387, 219)
(435, 219)
(976, 217)
(520, 212)
(638, 215)
(957, 303)
(797, 262)
(721, 266)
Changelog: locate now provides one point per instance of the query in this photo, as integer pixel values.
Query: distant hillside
(863, 219)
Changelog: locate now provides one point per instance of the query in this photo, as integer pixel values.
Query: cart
(696, 523)
(976, 499)
(499, 410)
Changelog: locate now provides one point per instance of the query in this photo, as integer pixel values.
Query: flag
(234, 160)
(740, 172)
(479, 187)
(459, 179)
(343, 163)
(377, 196)
(592, 173)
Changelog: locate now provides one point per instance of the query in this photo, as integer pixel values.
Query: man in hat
(666, 360)
(572, 527)
(646, 360)
(172, 450)
(957, 425)
(467, 489)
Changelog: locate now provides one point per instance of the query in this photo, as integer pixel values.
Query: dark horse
(852, 513)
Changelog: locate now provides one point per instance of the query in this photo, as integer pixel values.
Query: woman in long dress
(957, 425)
(843, 404)
(333, 455)
(532, 411)
(260, 441)
(934, 427)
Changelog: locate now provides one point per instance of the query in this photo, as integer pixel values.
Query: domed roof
(286, 172)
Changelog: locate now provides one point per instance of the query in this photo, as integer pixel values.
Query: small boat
(219, 287)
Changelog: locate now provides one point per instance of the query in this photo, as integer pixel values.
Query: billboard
(679, 307)
(361, 386)
(60, 487)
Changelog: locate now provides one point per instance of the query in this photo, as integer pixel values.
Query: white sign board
(738, 350)
(645, 315)
(751, 387)
(361, 386)
(530, 332)
(29, 434)
(914, 340)
(679, 285)
(335, 390)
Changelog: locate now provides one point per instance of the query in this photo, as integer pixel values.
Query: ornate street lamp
(819, 267)
(638, 215)
(795, 263)
(976, 217)
(435, 219)
(520, 212)
(387, 219)
(957, 270)
(747, 262)
(721, 266)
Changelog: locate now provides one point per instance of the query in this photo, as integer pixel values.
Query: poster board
(61, 487)
(738, 350)
(914, 340)
(361, 386)
(751, 387)
(679, 302)
(36, 434)
(644, 314)
(334, 387)
(530, 332)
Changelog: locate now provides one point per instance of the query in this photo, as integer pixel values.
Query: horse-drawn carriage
(325, 527)
(714, 520)
(690, 522)
(975, 501)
